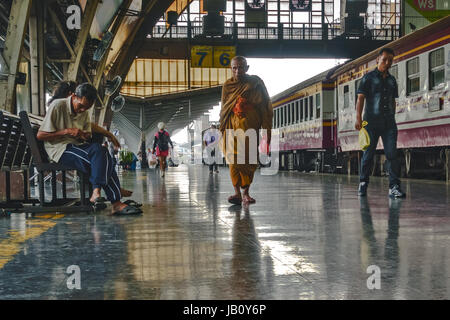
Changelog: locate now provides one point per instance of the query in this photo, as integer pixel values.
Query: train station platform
(308, 236)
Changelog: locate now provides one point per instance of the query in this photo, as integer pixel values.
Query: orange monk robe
(257, 115)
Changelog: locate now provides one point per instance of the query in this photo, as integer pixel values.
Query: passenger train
(315, 119)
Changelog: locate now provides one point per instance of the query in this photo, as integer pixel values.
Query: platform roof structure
(44, 42)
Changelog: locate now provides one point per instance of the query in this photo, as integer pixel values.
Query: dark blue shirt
(380, 94)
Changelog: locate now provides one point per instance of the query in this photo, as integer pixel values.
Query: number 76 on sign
(212, 57)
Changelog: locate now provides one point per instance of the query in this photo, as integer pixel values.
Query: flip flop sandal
(128, 211)
(234, 200)
(98, 206)
(99, 199)
(133, 203)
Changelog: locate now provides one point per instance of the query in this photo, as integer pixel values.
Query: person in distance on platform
(245, 105)
(161, 146)
(379, 89)
(210, 140)
(66, 130)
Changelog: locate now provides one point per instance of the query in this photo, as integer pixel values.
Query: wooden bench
(19, 148)
(15, 156)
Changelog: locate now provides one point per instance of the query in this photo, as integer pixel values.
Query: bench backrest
(14, 152)
(37, 147)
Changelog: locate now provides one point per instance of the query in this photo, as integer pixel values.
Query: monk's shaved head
(239, 58)
(239, 67)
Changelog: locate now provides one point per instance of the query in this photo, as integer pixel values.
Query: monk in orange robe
(245, 105)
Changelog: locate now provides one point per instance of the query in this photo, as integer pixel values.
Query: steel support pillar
(37, 58)
(18, 22)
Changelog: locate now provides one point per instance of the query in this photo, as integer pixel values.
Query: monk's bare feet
(126, 193)
(247, 199)
(96, 193)
(235, 199)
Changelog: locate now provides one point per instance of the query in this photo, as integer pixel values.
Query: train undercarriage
(421, 163)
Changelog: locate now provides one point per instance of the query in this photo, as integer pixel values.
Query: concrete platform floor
(307, 237)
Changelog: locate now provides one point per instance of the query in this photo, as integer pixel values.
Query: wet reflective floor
(307, 237)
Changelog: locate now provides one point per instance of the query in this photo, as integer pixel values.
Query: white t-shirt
(59, 117)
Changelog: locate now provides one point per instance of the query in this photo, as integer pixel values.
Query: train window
(301, 110)
(413, 73)
(437, 68)
(306, 109)
(274, 125)
(394, 72)
(311, 108)
(317, 105)
(293, 112)
(285, 115)
(289, 113)
(281, 117)
(297, 112)
(275, 116)
(346, 97)
(278, 117)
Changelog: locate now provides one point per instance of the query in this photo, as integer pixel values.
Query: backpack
(163, 141)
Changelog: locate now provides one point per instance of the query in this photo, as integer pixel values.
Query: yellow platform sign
(212, 57)
(223, 56)
(202, 57)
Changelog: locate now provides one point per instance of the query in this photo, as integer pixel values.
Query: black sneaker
(362, 190)
(396, 192)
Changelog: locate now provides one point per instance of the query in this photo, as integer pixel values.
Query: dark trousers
(95, 160)
(214, 164)
(387, 130)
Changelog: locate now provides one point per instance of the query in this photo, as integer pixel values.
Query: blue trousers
(387, 130)
(94, 160)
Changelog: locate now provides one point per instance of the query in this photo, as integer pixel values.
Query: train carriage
(315, 119)
(422, 69)
(304, 117)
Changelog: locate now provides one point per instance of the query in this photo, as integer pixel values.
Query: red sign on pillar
(425, 5)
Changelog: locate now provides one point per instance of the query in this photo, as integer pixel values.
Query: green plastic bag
(364, 138)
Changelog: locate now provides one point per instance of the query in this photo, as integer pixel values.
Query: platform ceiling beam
(114, 30)
(130, 48)
(102, 64)
(89, 14)
(18, 23)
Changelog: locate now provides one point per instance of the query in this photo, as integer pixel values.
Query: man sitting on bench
(66, 130)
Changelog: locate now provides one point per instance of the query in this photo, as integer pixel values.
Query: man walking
(379, 89)
(246, 107)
